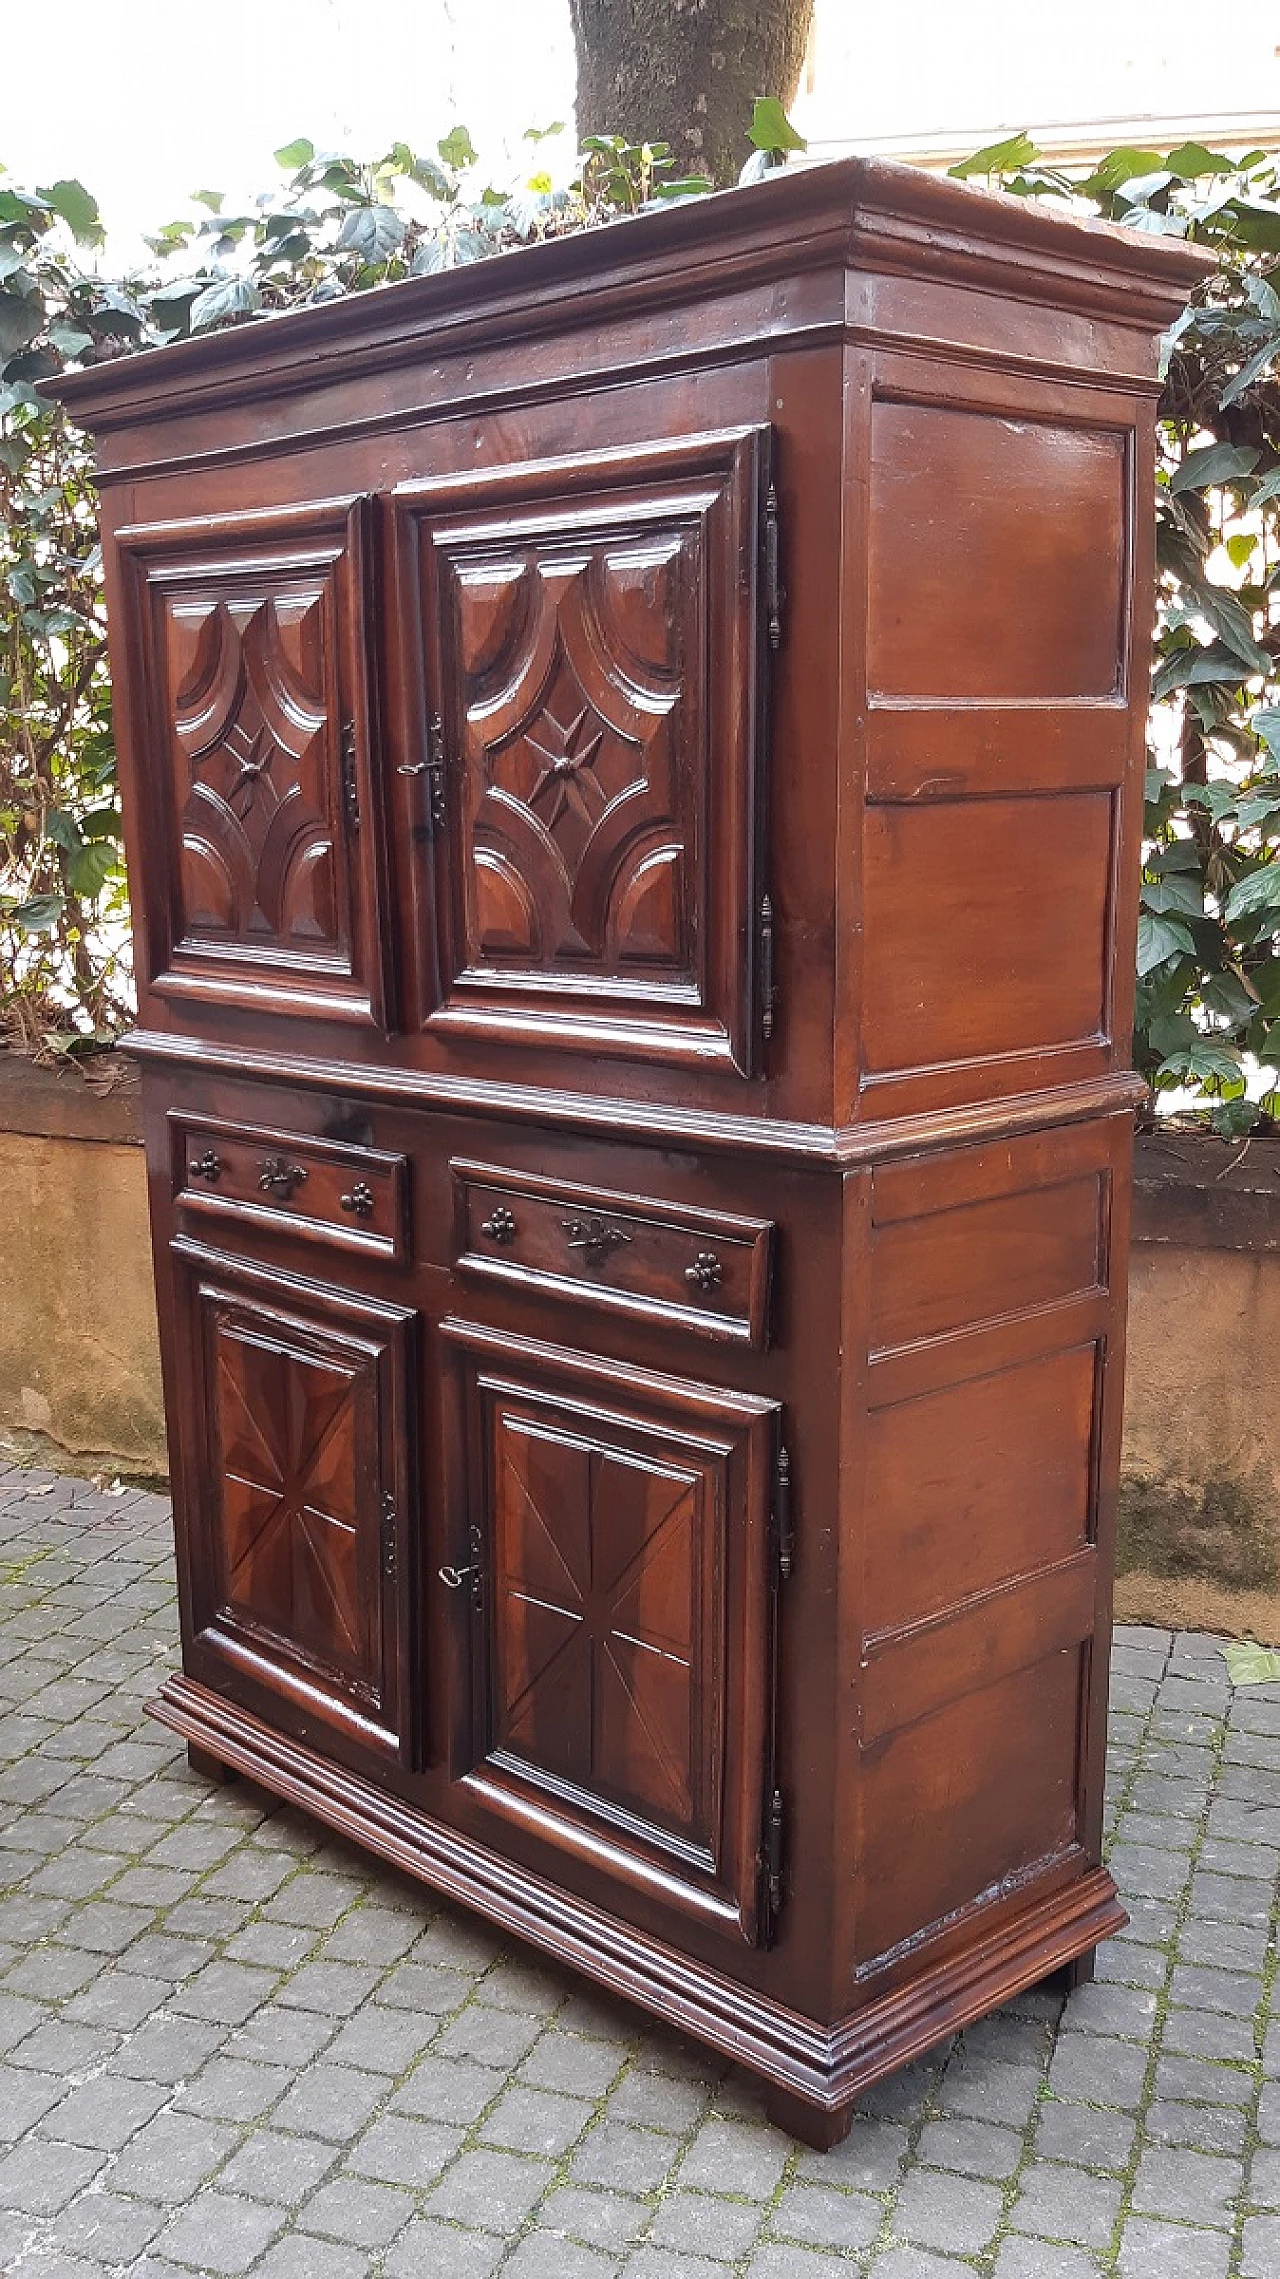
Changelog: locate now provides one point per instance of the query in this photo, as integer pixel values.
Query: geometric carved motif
(580, 814)
(605, 1670)
(250, 714)
(293, 1506)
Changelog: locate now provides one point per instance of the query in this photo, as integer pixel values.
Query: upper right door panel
(580, 672)
(998, 607)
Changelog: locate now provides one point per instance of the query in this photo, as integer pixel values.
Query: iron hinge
(350, 787)
(436, 781)
(774, 590)
(783, 1527)
(773, 1830)
(389, 1536)
(768, 983)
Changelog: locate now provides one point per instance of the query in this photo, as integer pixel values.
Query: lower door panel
(613, 1583)
(297, 1471)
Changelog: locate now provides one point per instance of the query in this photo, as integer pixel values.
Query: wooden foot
(1072, 1974)
(209, 1768)
(812, 2124)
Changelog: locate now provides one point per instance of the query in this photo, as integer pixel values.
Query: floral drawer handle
(594, 1237)
(501, 1227)
(207, 1166)
(706, 1272)
(277, 1177)
(359, 1201)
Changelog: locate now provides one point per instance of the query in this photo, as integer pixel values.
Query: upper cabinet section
(580, 672)
(261, 861)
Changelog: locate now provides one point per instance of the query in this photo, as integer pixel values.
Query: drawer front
(701, 1270)
(349, 1198)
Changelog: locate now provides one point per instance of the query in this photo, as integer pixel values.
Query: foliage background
(1209, 943)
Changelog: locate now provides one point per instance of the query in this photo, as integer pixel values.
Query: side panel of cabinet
(614, 1632)
(296, 1456)
(261, 821)
(580, 677)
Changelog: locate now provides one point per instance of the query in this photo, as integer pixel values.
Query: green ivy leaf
(996, 157)
(1256, 895)
(1212, 465)
(457, 149)
(218, 303)
(73, 205)
(372, 232)
(1249, 1664)
(770, 127)
(294, 155)
(1160, 938)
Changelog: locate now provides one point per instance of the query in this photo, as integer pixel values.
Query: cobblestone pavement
(228, 2044)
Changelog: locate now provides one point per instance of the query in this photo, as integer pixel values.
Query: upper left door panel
(254, 737)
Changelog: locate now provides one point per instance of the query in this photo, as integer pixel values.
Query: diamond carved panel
(585, 636)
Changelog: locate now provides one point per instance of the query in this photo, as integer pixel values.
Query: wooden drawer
(349, 1198)
(702, 1270)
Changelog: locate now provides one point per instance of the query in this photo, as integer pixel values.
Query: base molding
(814, 2072)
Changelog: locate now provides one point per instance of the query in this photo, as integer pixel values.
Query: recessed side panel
(581, 642)
(998, 739)
(985, 1530)
(262, 821)
(997, 561)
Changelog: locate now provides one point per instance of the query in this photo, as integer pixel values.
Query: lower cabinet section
(615, 1649)
(295, 1475)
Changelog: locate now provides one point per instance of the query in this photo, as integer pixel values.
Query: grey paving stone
(727, 2156)
(1081, 2135)
(1191, 2185)
(118, 1999)
(655, 2100)
(230, 2089)
(281, 2169)
(540, 2255)
(300, 2255)
(105, 2112)
(1208, 2033)
(1202, 2082)
(39, 2178)
(1207, 2128)
(905, 2263)
(492, 2190)
(1260, 2250)
(626, 2159)
(428, 2247)
(1171, 2251)
(1124, 2010)
(433, 1988)
(1067, 2204)
(697, 2223)
(448, 2089)
(104, 2228)
(168, 2049)
(1194, 1987)
(952, 2212)
(330, 2101)
(171, 2157)
(869, 2159)
(536, 2120)
(396, 2151)
(227, 1992)
(350, 2208)
(24, 2096)
(825, 2218)
(973, 2147)
(491, 2037)
(1035, 2259)
(1087, 2069)
(218, 2233)
(273, 2036)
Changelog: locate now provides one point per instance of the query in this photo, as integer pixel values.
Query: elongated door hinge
(783, 1527)
(773, 1828)
(389, 1536)
(768, 984)
(350, 787)
(436, 782)
(774, 591)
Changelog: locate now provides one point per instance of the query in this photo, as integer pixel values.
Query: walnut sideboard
(631, 758)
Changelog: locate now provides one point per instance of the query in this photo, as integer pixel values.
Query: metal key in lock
(455, 1577)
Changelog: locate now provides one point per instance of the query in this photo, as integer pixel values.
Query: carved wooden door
(580, 664)
(262, 859)
(295, 1489)
(614, 1599)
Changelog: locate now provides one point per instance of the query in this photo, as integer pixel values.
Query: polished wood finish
(632, 761)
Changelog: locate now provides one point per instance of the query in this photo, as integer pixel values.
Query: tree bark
(686, 72)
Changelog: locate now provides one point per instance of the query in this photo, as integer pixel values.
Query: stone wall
(79, 1359)
(1199, 1543)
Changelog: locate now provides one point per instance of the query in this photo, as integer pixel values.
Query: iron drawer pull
(501, 1227)
(207, 1166)
(360, 1200)
(593, 1237)
(281, 1177)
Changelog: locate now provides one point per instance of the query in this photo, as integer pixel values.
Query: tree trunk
(686, 72)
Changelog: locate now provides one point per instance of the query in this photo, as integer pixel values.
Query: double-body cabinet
(632, 760)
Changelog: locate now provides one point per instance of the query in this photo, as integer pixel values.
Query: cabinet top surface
(854, 214)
